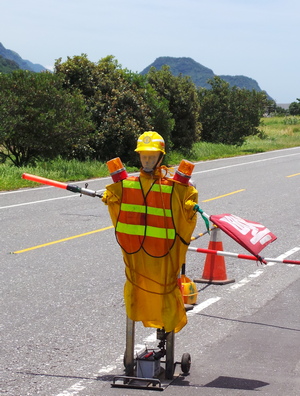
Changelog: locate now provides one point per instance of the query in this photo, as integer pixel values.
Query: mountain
(10, 60)
(199, 73)
(22, 63)
(242, 82)
(7, 65)
(185, 66)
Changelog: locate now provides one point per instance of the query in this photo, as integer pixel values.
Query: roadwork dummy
(154, 218)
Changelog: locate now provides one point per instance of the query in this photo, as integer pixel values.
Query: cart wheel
(186, 363)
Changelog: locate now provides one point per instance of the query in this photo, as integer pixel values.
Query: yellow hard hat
(150, 141)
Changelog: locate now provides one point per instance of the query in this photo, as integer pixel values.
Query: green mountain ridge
(10, 61)
(16, 58)
(200, 74)
(7, 65)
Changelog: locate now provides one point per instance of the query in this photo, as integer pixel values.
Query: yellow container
(188, 290)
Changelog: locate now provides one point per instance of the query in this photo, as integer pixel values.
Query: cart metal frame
(166, 347)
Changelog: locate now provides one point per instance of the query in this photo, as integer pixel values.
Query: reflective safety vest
(146, 221)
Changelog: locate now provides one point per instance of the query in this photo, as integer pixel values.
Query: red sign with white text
(251, 235)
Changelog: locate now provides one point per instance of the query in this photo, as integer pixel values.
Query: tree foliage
(161, 118)
(39, 119)
(118, 110)
(97, 111)
(181, 94)
(229, 115)
(294, 108)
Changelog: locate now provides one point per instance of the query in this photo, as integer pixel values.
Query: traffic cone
(214, 267)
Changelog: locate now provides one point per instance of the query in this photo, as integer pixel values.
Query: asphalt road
(62, 276)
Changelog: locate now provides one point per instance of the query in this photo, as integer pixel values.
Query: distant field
(276, 133)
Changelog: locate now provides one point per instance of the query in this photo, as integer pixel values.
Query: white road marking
(150, 338)
(74, 389)
(22, 190)
(245, 163)
(285, 255)
(35, 202)
(203, 305)
(246, 280)
(256, 273)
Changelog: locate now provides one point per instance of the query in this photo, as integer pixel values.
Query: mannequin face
(149, 160)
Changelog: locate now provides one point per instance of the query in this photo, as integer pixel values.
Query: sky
(259, 39)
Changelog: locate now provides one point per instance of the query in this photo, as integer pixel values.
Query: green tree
(181, 94)
(116, 105)
(229, 115)
(294, 108)
(39, 119)
(161, 118)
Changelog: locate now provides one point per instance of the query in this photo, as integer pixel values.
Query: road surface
(62, 277)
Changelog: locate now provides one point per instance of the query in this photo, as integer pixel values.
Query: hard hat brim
(147, 148)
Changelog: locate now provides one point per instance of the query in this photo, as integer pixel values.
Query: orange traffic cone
(214, 266)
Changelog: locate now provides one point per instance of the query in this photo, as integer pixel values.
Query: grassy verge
(277, 133)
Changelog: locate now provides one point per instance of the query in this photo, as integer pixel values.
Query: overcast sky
(255, 38)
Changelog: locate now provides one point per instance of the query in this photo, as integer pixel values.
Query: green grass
(277, 133)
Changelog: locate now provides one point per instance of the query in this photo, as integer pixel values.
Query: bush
(39, 119)
(229, 115)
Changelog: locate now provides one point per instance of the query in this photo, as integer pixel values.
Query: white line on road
(35, 202)
(203, 305)
(285, 255)
(246, 280)
(245, 163)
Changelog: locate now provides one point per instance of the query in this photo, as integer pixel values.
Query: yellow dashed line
(296, 174)
(101, 229)
(222, 196)
(62, 240)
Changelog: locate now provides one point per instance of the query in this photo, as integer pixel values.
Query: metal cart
(145, 370)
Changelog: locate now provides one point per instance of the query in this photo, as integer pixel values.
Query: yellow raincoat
(151, 293)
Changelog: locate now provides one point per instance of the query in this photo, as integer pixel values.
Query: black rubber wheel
(186, 363)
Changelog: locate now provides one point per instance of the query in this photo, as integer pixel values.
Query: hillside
(199, 73)
(10, 60)
(185, 66)
(7, 65)
(22, 63)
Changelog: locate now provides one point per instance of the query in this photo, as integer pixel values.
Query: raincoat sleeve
(185, 217)
(112, 197)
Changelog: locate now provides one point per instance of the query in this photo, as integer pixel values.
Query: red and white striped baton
(243, 256)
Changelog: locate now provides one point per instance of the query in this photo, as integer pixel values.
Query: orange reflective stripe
(160, 221)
